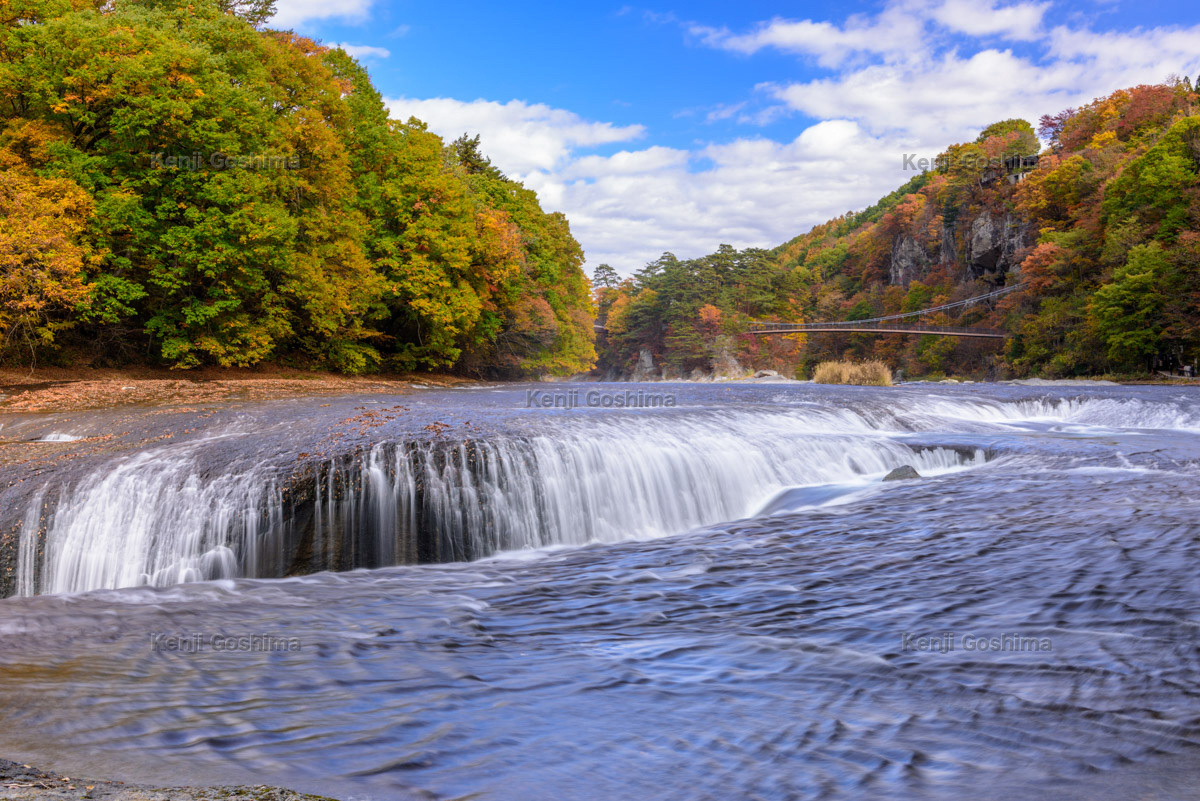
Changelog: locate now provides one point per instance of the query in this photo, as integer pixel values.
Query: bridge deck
(874, 328)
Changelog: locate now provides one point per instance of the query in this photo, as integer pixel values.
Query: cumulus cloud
(952, 95)
(912, 78)
(751, 192)
(901, 31)
(292, 13)
(363, 51)
(1174, 47)
(894, 32)
(949, 98)
(1021, 21)
(519, 137)
(630, 206)
(641, 162)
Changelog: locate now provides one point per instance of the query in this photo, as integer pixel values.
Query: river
(716, 598)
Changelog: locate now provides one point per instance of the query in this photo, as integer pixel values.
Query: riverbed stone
(902, 473)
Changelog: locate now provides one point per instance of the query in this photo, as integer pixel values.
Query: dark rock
(903, 473)
(995, 242)
(949, 250)
(646, 369)
(909, 261)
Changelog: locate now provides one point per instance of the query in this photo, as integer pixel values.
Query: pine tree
(605, 277)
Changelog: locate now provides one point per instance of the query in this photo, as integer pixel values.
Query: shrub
(872, 373)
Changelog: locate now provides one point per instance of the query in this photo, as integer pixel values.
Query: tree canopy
(180, 184)
(1104, 233)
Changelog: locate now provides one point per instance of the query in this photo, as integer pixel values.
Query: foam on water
(159, 517)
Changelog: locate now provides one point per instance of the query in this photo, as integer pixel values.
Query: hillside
(180, 186)
(1102, 228)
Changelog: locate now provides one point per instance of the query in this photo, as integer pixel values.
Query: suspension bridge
(909, 323)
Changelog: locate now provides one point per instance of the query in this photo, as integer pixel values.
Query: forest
(182, 186)
(1101, 229)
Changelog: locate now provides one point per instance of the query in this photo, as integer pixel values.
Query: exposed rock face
(909, 261)
(949, 251)
(645, 369)
(902, 474)
(725, 363)
(993, 243)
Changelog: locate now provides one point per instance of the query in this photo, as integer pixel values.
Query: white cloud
(894, 32)
(519, 137)
(628, 207)
(950, 97)
(1021, 21)
(904, 80)
(756, 192)
(1167, 49)
(725, 112)
(641, 162)
(363, 51)
(292, 13)
(897, 33)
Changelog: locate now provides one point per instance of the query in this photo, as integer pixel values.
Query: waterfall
(27, 544)
(153, 519)
(160, 518)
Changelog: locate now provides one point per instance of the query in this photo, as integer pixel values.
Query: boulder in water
(903, 473)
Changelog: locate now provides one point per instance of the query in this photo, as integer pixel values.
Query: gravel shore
(25, 783)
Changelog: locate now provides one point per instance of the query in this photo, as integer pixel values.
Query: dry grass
(873, 373)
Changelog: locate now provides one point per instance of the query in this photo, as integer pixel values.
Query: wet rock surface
(902, 473)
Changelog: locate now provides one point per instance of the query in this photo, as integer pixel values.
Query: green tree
(606, 277)
(251, 199)
(1127, 312)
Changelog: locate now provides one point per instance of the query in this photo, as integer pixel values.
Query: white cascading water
(1128, 413)
(508, 495)
(154, 519)
(27, 545)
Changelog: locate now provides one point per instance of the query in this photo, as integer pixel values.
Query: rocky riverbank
(19, 782)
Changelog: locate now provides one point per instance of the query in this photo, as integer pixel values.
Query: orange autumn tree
(41, 261)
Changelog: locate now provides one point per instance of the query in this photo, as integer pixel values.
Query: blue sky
(679, 127)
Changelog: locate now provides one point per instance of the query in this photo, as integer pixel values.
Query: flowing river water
(717, 600)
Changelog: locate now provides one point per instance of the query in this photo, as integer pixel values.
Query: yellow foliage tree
(41, 261)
